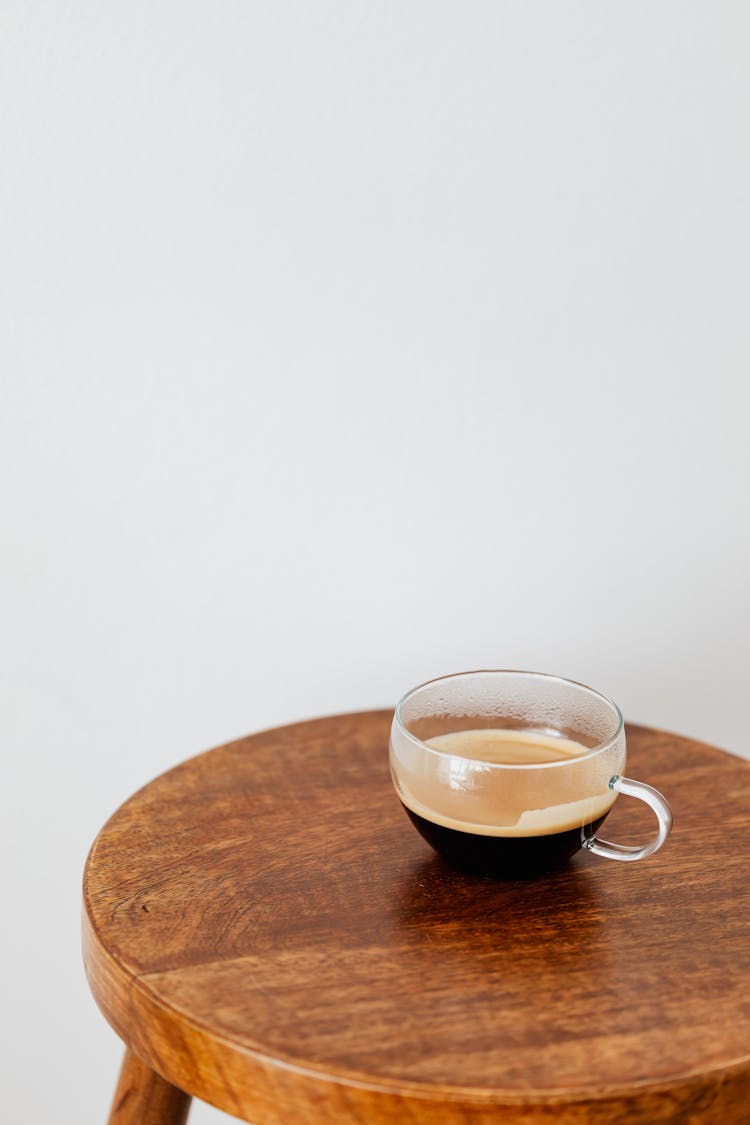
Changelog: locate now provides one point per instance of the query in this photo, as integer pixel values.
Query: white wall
(346, 344)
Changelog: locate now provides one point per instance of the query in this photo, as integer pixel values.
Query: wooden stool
(265, 930)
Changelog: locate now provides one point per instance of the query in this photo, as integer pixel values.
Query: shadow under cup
(507, 818)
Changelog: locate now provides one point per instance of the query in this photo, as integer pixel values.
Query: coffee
(533, 822)
(509, 773)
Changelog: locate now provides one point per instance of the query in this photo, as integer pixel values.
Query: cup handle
(653, 798)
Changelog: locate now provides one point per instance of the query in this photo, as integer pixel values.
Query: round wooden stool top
(266, 930)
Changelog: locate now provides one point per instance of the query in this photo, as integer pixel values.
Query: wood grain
(263, 927)
(143, 1098)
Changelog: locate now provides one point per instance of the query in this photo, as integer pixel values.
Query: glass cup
(509, 773)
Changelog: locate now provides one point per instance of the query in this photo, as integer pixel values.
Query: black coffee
(509, 823)
(503, 857)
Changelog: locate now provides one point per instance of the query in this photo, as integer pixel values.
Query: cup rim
(600, 748)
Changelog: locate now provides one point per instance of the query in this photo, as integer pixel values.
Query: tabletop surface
(264, 915)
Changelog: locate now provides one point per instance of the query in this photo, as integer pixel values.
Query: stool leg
(143, 1097)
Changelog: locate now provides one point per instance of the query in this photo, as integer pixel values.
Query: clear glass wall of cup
(551, 764)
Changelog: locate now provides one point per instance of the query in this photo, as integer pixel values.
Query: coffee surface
(513, 802)
(508, 747)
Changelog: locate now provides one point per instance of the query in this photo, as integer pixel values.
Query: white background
(346, 344)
